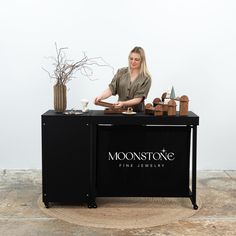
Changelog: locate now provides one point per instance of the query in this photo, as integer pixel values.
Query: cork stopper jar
(171, 108)
(183, 109)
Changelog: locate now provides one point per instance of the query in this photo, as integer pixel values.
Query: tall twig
(65, 69)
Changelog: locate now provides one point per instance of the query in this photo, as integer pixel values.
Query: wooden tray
(114, 111)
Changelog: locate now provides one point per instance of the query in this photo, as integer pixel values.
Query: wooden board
(113, 111)
(104, 104)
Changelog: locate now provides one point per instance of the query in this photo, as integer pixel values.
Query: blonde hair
(143, 68)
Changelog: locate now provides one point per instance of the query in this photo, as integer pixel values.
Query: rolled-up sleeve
(144, 88)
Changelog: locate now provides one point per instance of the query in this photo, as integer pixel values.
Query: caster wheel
(195, 207)
(92, 205)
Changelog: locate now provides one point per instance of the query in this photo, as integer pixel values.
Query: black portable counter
(114, 155)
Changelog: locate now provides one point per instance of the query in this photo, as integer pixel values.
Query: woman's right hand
(105, 94)
(97, 99)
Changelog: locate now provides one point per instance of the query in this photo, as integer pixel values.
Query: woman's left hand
(119, 104)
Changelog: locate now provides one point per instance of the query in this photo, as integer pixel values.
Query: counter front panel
(143, 160)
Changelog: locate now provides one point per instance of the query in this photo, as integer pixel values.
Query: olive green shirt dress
(126, 90)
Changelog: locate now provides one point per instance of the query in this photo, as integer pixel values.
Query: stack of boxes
(166, 106)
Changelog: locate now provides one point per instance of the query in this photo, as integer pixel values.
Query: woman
(131, 83)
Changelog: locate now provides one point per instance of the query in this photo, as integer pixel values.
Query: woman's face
(134, 61)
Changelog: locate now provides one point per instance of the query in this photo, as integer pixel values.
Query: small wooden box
(164, 108)
(149, 109)
(158, 110)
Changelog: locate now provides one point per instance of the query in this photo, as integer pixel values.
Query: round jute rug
(124, 213)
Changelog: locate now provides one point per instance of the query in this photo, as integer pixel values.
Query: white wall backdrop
(189, 44)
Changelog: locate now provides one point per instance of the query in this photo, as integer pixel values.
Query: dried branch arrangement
(66, 69)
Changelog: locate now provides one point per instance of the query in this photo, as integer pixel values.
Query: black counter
(95, 154)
